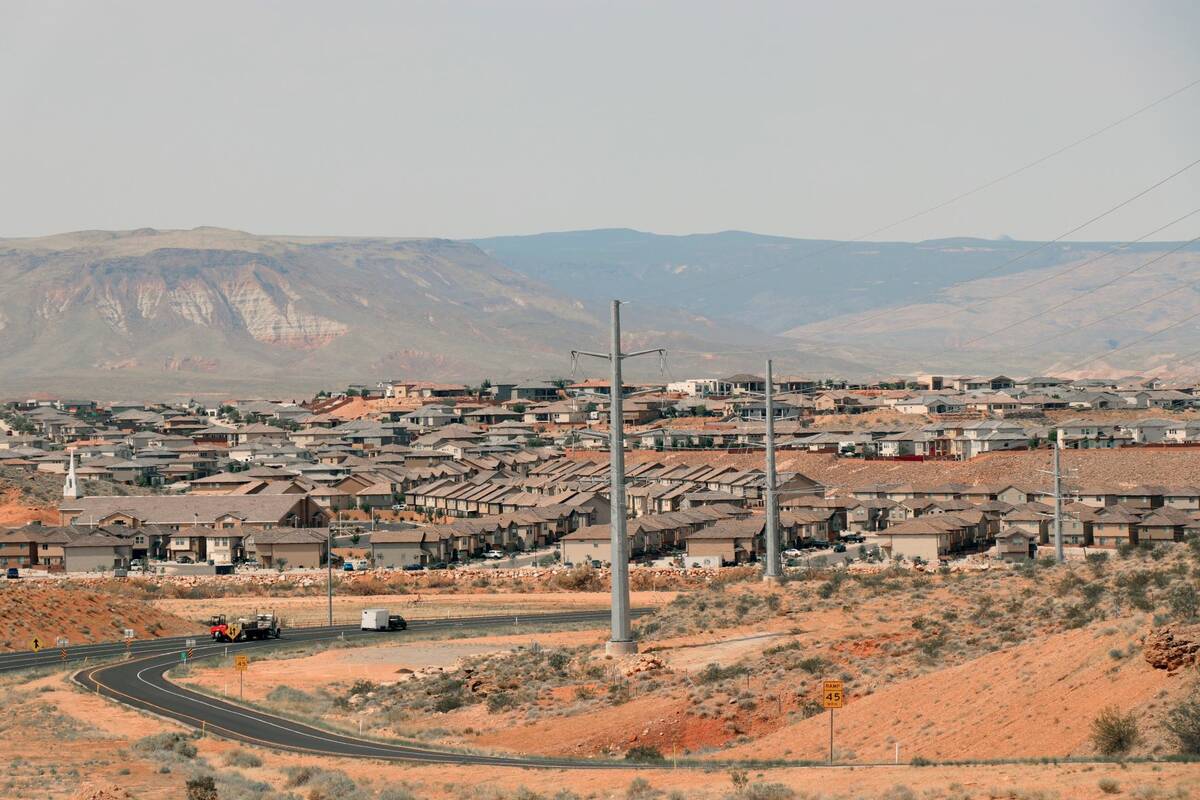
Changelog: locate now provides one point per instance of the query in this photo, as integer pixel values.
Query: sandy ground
(1033, 700)
(347, 609)
(98, 751)
(383, 664)
(40, 609)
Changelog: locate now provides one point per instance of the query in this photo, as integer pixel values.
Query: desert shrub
(578, 579)
(920, 761)
(1184, 601)
(782, 648)
(1183, 723)
(499, 701)
(714, 672)
(1114, 733)
(202, 787)
(242, 758)
(299, 776)
(766, 791)
(812, 664)
(640, 789)
(1075, 616)
(396, 793)
(1136, 584)
(1109, 786)
(167, 743)
(643, 752)
(448, 702)
(332, 785)
(1092, 592)
(898, 792)
(618, 693)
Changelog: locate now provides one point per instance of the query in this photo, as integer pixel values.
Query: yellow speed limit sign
(833, 694)
(240, 663)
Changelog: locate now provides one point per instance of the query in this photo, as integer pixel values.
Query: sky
(471, 119)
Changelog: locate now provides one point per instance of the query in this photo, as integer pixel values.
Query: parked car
(12, 573)
(792, 552)
(493, 554)
(183, 560)
(413, 567)
(348, 566)
(398, 507)
(438, 565)
(839, 548)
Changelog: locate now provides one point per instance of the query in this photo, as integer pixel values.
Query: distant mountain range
(894, 307)
(219, 312)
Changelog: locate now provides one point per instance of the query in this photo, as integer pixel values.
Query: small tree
(1115, 733)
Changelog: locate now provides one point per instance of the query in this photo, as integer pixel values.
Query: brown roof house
(222, 512)
(288, 547)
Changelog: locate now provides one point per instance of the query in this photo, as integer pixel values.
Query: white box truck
(374, 619)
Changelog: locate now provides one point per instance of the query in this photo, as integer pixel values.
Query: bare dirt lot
(49, 610)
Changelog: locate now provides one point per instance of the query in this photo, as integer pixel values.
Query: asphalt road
(140, 682)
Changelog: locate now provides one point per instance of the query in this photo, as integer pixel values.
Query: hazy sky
(465, 119)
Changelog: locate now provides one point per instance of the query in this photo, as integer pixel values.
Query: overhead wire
(955, 198)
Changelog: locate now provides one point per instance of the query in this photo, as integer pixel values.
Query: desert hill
(164, 313)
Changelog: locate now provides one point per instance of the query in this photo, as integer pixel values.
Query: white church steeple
(71, 486)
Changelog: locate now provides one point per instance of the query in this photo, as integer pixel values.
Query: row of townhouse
(105, 548)
(740, 484)
(481, 498)
(512, 532)
(713, 535)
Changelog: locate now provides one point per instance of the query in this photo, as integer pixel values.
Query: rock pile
(647, 662)
(1167, 649)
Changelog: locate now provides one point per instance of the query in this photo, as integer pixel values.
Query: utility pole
(622, 642)
(329, 575)
(772, 572)
(1058, 538)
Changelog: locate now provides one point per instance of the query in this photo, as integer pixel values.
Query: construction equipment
(259, 626)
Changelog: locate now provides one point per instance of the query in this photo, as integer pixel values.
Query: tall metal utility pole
(622, 642)
(773, 571)
(1058, 539)
(329, 574)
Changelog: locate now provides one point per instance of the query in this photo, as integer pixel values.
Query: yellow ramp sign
(833, 694)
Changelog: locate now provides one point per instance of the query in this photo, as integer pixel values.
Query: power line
(1059, 273)
(1128, 345)
(1092, 291)
(1025, 254)
(961, 195)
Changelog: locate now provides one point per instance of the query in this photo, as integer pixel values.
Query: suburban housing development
(424, 473)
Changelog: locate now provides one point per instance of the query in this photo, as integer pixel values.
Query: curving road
(140, 682)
